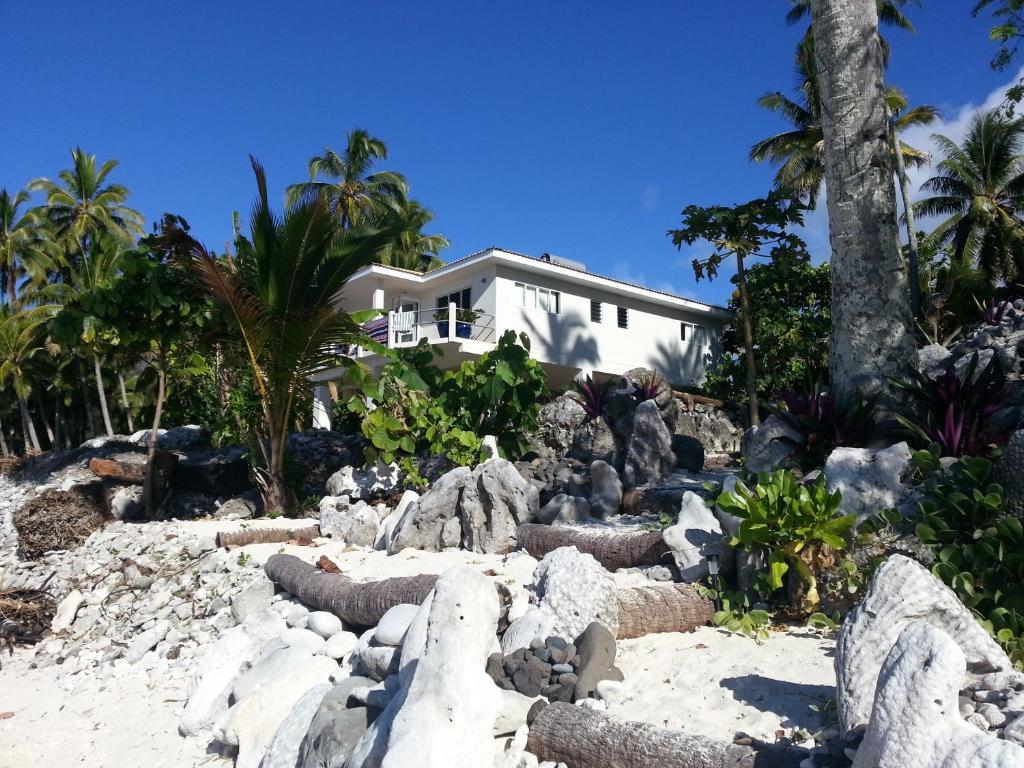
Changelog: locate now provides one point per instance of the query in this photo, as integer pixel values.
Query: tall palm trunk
(4, 450)
(913, 254)
(154, 435)
(124, 402)
(46, 422)
(871, 320)
(748, 342)
(85, 404)
(28, 426)
(103, 396)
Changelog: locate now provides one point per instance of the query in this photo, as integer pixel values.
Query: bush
(792, 526)
(825, 422)
(592, 395)
(979, 550)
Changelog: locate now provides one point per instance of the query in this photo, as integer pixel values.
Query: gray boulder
(605, 490)
(244, 506)
(564, 508)
(870, 480)
(556, 426)
(689, 453)
(593, 441)
(335, 729)
(1008, 471)
(637, 378)
(496, 500)
(649, 457)
(253, 599)
(433, 522)
(575, 590)
(933, 360)
(354, 524)
(696, 535)
(359, 483)
(765, 447)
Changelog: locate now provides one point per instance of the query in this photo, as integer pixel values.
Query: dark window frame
(622, 316)
(596, 311)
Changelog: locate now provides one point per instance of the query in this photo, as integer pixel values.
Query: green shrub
(979, 550)
(793, 526)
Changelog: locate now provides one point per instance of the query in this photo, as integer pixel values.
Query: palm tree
(26, 248)
(799, 152)
(84, 205)
(872, 343)
(889, 12)
(280, 290)
(414, 250)
(353, 191)
(95, 269)
(980, 189)
(20, 340)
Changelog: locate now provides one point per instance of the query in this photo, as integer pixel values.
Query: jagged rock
(765, 446)
(355, 524)
(66, 611)
(1008, 471)
(870, 480)
(126, 502)
(253, 599)
(210, 682)
(933, 360)
(649, 457)
(915, 719)
(695, 535)
(689, 453)
(283, 751)
(556, 426)
(335, 729)
(363, 483)
(495, 501)
(244, 506)
(593, 441)
(606, 490)
(902, 592)
(146, 641)
(433, 523)
(447, 687)
(534, 623)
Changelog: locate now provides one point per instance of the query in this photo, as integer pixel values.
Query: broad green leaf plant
(793, 526)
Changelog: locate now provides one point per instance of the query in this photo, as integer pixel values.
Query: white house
(578, 322)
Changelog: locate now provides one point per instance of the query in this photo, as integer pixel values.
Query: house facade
(579, 323)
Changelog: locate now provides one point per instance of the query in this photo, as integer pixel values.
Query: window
(544, 299)
(460, 299)
(691, 332)
(595, 311)
(623, 317)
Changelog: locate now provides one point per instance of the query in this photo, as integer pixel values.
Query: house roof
(533, 263)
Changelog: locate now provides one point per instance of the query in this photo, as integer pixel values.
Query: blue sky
(576, 128)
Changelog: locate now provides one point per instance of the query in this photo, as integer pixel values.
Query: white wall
(571, 339)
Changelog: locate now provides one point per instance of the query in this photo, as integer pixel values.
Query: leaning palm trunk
(748, 342)
(102, 395)
(871, 320)
(90, 420)
(28, 426)
(124, 402)
(46, 421)
(913, 255)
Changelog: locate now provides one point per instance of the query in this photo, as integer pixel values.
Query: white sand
(706, 682)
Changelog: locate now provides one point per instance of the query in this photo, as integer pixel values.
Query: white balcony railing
(437, 326)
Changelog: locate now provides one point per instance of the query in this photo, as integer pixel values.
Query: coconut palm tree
(26, 249)
(889, 12)
(84, 204)
(280, 291)
(21, 338)
(980, 189)
(352, 190)
(799, 152)
(414, 250)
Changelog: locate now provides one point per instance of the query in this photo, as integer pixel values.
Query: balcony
(400, 329)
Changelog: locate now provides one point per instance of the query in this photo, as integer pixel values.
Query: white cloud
(650, 196)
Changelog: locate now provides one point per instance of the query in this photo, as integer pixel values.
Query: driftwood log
(658, 608)
(267, 536)
(612, 550)
(584, 738)
(135, 472)
(642, 610)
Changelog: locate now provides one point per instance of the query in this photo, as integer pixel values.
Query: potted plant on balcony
(464, 319)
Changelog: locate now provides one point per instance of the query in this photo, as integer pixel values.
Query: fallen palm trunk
(133, 472)
(585, 738)
(642, 610)
(361, 603)
(612, 550)
(267, 536)
(658, 608)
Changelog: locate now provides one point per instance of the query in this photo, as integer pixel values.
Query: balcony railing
(406, 329)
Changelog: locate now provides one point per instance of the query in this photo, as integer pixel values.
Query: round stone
(323, 623)
(340, 645)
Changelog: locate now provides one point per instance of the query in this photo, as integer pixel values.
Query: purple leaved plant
(591, 395)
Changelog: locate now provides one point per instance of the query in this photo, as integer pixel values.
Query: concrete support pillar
(377, 301)
(322, 406)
